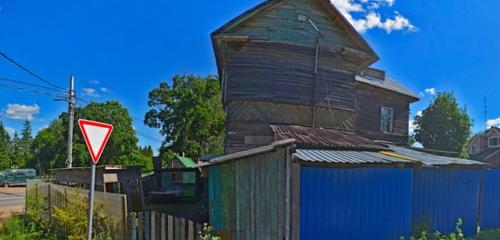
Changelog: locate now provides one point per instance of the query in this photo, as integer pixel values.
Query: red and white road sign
(96, 136)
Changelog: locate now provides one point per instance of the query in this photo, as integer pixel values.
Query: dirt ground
(11, 200)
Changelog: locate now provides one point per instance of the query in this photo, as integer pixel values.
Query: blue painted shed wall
(358, 203)
(490, 204)
(444, 195)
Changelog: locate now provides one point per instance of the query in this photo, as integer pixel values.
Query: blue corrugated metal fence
(444, 195)
(490, 200)
(359, 203)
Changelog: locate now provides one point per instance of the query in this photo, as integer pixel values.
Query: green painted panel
(247, 197)
(227, 196)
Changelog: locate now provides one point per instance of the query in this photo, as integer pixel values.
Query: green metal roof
(187, 162)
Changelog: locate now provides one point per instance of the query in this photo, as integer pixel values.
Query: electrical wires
(27, 70)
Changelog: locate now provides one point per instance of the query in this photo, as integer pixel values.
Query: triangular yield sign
(96, 135)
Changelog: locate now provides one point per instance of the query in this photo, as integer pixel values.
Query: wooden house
(300, 62)
(485, 146)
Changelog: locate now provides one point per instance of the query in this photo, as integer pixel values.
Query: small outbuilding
(108, 178)
(331, 184)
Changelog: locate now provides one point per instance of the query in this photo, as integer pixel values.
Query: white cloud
(493, 123)
(419, 113)
(90, 92)
(10, 131)
(431, 91)
(369, 17)
(21, 111)
(411, 126)
(94, 82)
(104, 89)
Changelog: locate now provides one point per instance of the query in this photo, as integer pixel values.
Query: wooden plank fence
(160, 226)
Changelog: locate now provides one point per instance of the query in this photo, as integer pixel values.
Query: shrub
(67, 222)
(72, 219)
(424, 235)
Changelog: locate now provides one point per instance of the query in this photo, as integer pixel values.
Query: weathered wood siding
(281, 25)
(285, 74)
(367, 117)
(247, 124)
(247, 197)
(276, 78)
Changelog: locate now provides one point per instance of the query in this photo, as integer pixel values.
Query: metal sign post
(91, 201)
(96, 135)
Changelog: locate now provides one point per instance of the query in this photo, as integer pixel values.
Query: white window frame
(383, 120)
(494, 146)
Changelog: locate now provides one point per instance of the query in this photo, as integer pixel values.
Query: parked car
(16, 177)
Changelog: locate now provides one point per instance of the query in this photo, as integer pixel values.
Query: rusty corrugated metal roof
(316, 138)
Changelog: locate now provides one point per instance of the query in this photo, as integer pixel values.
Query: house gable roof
(336, 17)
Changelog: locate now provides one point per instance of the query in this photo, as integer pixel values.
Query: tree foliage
(4, 148)
(50, 144)
(443, 125)
(189, 115)
(49, 148)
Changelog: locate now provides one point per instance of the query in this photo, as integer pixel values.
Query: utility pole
(71, 111)
(485, 115)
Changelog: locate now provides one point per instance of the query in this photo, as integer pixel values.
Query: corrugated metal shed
(318, 138)
(443, 195)
(339, 156)
(355, 203)
(433, 160)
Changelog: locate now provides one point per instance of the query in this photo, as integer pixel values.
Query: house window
(494, 142)
(473, 150)
(386, 119)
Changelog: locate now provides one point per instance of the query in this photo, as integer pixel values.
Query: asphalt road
(11, 200)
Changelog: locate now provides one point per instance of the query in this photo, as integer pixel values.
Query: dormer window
(494, 142)
(386, 119)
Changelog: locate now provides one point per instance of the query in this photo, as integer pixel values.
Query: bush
(67, 222)
(424, 235)
(72, 219)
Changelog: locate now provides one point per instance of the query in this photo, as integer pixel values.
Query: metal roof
(187, 162)
(317, 138)
(431, 159)
(388, 84)
(247, 153)
(485, 155)
(351, 157)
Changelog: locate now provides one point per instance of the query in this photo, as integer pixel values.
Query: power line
(21, 89)
(148, 137)
(29, 84)
(2, 54)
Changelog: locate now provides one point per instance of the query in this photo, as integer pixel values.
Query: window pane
(386, 119)
(493, 141)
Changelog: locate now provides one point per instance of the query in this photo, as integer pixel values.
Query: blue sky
(123, 49)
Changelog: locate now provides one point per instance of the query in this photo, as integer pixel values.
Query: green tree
(49, 148)
(443, 125)
(16, 152)
(50, 144)
(122, 146)
(26, 144)
(189, 115)
(4, 148)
